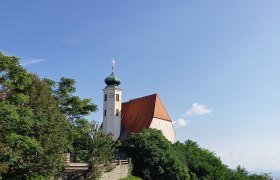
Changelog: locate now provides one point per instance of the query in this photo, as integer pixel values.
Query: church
(122, 118)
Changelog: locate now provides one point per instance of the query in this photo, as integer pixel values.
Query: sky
(215, 64)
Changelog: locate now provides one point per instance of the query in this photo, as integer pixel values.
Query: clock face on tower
(111, 95)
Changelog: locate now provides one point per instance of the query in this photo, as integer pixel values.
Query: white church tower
(112, 104)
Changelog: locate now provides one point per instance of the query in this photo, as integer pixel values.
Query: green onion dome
(112, 80)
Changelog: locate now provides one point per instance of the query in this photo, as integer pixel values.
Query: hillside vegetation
(154, 157)
(41, 120)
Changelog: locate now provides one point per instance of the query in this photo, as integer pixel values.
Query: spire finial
(112, 80)
(113, 65)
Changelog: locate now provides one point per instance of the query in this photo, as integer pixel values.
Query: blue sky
(215, 63)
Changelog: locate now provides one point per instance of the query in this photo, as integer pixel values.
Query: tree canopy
(40, 120)
(33, 129)
(153, 156)
(102, 152)
(202, 163)
(75, 109)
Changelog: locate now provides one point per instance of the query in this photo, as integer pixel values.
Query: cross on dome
(113, 64)
(112, 80)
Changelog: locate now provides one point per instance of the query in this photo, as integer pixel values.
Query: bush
(153, 157)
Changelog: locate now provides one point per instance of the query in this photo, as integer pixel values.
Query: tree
(3, 152)
(33, 130)
(202, 163)
(240, 173)
(74, 109)
(89, 143)
(153, 156)
(101, 152)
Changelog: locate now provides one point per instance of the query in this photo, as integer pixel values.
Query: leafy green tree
(88, 141)
(240, 173)
(202, 163)
(102, 152)
(153, 156)
(81, 140)
(33, 129)
(264, 176)
(75, 109)
(3, 153)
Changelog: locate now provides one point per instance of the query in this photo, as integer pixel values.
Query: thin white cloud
(32, 61)
(180, 123)
(197, 110)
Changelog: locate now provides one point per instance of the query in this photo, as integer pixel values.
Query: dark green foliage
(12, 76)
(89, 144)
(81, 140)
(40, 120)
(240, 173)
(131, 178)
(4, 150)
(102, 152)
(202, 163)
(75, 109)
(153, 156)
(156, 158)
(264, 176)
(33, 130)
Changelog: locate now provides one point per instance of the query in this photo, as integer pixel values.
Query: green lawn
(131, 178)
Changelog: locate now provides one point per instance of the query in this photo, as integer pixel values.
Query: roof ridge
(154, 106)
(160, 105)
(155, 94)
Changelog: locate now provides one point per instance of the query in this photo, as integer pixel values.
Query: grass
(131, 178)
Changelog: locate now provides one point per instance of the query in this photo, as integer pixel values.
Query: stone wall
(78, 170)
(120, 171)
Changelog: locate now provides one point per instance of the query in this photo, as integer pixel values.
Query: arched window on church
(117, 112)
(104, 112)
(105, 97)
(117, 97)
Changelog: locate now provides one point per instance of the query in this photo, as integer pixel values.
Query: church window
(105, 97)
(104, 112)
(117, 97)
(117, 112)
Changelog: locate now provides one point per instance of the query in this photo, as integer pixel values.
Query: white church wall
(166, 127)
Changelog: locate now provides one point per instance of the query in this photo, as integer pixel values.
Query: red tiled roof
(138, 114)
(160, 111)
